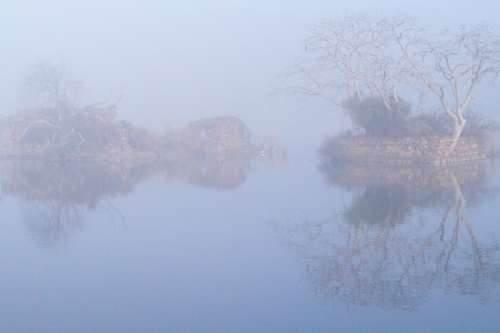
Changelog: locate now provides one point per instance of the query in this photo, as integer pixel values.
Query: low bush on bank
(374, 117)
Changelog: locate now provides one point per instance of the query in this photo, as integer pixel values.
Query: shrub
(376, 119)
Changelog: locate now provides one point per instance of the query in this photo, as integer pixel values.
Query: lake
(295, 245)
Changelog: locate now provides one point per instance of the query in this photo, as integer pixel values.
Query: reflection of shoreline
(81, 183)
(55, 195)
(405, 233)
(352, 174)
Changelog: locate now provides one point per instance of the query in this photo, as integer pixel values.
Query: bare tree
(49, 94)
(51, 86)
(356, 56)
(450, 67)
(349, 57)
(52, 113)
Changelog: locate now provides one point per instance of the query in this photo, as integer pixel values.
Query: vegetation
(375, 118)
(372, 117)
(54, 122)
(372, 67)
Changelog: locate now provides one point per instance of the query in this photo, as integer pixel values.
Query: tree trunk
(458, 128)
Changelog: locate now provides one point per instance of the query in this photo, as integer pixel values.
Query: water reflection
(405, 233)
(56, 195)
(215, 173)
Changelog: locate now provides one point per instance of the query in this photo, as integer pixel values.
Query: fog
(172, 213)
(177, 61)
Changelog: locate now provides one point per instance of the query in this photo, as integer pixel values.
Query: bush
(428, 124)
(376, 119)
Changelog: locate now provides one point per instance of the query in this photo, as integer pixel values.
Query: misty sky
(178, 61)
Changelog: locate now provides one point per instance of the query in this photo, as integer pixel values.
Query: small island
(55, 125)
(407, 90)
(397, 136)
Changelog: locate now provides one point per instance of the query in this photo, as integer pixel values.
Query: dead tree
(54, 114)
(51, 86)
(450, 67)
(348, 57)
(358, 56)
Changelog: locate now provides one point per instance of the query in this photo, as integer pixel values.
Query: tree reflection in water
(405, 234)
(56, 195)
(52, 222)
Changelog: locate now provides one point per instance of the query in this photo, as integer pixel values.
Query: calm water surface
(248, 246)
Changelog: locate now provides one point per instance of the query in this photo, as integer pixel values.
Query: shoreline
(405, 150)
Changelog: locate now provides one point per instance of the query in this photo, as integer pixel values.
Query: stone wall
(405, 150)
